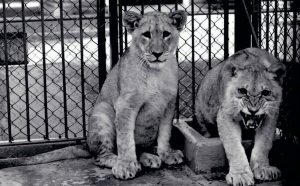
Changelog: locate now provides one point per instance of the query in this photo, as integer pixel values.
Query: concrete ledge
(31, 149)
(203, 154)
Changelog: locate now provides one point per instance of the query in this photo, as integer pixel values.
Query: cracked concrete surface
(81, 172)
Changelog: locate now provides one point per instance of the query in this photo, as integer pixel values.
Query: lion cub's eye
(242, 91)
(166, 34)
(147, 34)
(265, 92)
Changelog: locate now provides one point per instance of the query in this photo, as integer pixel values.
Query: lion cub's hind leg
(102, 135)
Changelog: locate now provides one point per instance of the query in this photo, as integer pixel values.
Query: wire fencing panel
(51, 89)
(54, 55)
(279, 28)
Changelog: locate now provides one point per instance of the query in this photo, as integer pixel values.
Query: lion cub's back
(110, 91)
(208, 95)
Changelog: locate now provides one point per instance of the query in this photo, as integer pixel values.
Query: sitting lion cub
(136, 104)
(137, 101)
(243, 92)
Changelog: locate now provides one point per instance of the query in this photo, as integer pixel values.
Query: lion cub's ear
(178, 19)
(131, 20)
(279, 70)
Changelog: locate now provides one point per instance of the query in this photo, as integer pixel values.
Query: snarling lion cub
(136, 104)
(243, 92)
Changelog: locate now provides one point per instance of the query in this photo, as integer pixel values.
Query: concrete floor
(81, 172)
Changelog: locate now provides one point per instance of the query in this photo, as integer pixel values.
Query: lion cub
(243, 92)
(136, 104)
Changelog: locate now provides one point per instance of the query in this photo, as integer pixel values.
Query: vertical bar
(209, 35)
(113, 28)
(255, 22)
(120, 28)
(26, 71)
(267, 25)
(44, 72)
(101, 42)
(142, 9)
(63, 67)
(242, 25)
(259, 24)
(285, 31)
(294, 31)
(226, 27)
(276, 29)
(126, 41)
(82, 70)
(177, 98)
(193, 59)
(10, 139)
(159, 5)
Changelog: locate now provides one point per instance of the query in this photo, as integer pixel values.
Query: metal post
(255, 21)
(46, 136)
(226, 28)
(61, 20)
(101, 42)
(26, 71)
(113, 28)
(10, 138)
(193, 60)
(82, 70)
(242, 28)
(276, 29)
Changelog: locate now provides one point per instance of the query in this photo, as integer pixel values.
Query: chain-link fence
(51, 67)
(54, 55)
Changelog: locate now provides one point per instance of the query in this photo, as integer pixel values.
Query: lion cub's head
(154, 35)
(254, 87)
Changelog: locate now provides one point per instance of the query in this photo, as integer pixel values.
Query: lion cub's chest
(159, 92)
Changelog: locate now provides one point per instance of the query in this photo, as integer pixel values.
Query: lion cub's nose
(157, 54)
(253, 111)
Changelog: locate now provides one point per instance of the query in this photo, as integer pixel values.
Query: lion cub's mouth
(252, 121)
(157, 61)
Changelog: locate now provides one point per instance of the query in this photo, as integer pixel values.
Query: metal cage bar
(294, 31)
(276, 28)
(101, 42)
(7, 73)
(46, 136)
(26, 72)
(113, 28)
(83, 97)
(61, 20)
(285, 31)
(226, 28)
(267, 24)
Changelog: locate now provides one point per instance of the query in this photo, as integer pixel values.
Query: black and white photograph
(144, 93)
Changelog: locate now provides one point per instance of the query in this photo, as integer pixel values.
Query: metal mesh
(279, 34)
(49, 85)
(51, 96)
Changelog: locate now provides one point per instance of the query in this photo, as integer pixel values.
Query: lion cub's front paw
(126, 169)
(150, 160)
(266, 173)
(240, 179)
(171, 157)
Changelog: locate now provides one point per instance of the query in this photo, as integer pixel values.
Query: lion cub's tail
(72, 152)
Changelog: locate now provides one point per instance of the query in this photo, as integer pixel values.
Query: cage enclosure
(54, 57)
